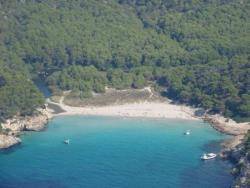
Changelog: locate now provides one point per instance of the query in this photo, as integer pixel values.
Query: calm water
(113, 152)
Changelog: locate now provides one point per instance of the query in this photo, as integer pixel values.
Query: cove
(116, 152)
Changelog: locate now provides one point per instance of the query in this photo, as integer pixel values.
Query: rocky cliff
(240, 157)
(12, 127)
(7, 141)
(227, 126)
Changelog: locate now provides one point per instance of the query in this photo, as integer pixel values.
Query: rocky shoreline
(7, 141)
(239, 156)
(226, 125)
(235, 149)
(229, 127)
(12, 128)
(232, 151)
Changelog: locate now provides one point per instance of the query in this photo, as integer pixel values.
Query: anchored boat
(207, 156)
(66, 141)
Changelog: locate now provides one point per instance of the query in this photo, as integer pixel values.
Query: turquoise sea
(109, 152)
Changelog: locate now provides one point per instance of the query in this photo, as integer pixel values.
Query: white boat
(187, 132)
(66, 141)
(207, 156)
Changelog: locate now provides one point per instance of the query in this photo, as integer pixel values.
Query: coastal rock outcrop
(227, 126)
(12, 127)
(239, 155)
(242, 167)
(36, 122)
(236, 149)
(7, 141)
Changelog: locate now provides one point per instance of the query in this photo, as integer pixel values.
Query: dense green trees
(197, 50)
(18, 94)
(82, 80)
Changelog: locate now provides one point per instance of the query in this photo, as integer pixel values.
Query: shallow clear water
(115, 152)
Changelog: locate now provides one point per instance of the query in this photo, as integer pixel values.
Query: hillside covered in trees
(196, 51)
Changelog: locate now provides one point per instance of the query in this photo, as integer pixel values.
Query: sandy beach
(139, 109)
(153, 109)
(145, 105)
(159, 109)
(142, 109)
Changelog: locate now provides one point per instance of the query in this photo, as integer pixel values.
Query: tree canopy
(197, 50)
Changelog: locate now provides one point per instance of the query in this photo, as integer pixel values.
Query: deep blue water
(115, 152)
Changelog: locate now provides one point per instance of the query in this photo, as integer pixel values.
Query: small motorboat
(207, 156)
(187, 132)
(66, 141)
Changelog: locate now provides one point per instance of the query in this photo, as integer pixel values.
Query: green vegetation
(241, 158)
(197, 51)
(80, 79)
(247, 146)
(18, 94)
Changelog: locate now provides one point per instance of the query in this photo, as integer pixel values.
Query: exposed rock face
(7, 141)
(17, 124)
(28, 123)
(36, 123)
(235, 149)
(241, 169)
(239, 155)
(227, 126)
